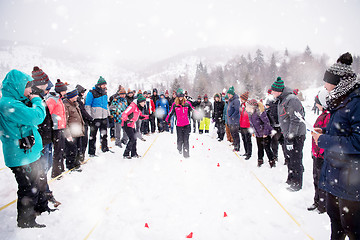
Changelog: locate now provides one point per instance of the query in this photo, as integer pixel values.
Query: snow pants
(234, 131)
(320, 195)
(130, 149)
(277, 139)
(220, 125)
(196, 122)
(344, 216)
(58, 158)
(152, 120)
(84, 140)
(118, 130)
(295, 166)
(98, 124)
(183, 134)
(72, 153)
(32, 185)
(264, 144)
(246, 138)
(204, 124)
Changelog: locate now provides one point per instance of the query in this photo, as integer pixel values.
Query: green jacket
(18, 120)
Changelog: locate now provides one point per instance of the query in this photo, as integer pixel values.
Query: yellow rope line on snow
(278, 202)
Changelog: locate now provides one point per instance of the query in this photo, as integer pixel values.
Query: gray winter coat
(290, 125)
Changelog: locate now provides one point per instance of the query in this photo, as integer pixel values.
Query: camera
(26, 143)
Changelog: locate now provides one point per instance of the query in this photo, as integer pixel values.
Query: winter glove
(141, 117)
(273, 132)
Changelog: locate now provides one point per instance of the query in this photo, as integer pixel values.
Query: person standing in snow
(172, 119)
(117, 107)
(87, 120)
(181, 109)
(207, 109)
(57, 111)
(277, 136)
(340, 174)
(227, 129)
(318, 156)
(162, 110)
(129, 118)
(96, 104)
(218, 116)
(111, 119)
(293, 129)
(245, 126)
(196, 119)
(74, 130)
(20, 114)
(153, 119)
(233, 116)
(262, 128)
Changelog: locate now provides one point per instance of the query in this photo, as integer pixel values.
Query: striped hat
(278, 85)
(245, 96)
(101, 81)
(72, 94)
(60, 86)
(40, 78)
(253, 102)
(140, 98)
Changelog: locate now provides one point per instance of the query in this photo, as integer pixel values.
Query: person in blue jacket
(340, 174)
(20, 114)
(96, 104)
(233, 117)
(162, 110)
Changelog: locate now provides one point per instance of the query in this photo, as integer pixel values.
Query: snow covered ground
(113, 198)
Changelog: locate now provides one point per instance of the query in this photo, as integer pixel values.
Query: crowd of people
(49, 127)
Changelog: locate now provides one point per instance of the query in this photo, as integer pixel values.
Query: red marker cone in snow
(146, 225)
(197, 139)
(202, 143)
(193, 146)
(218, 165)
(225, 215)
(190, 235)
(209, 149)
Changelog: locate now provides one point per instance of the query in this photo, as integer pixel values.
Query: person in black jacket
(87, 120)
(218, 117)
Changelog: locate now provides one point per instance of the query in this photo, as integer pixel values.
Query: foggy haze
(154, 30)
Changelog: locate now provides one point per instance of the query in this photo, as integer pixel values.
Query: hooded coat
(340, 174)
(96, 103)
(233, 111)
(17, 120)
(290, 125)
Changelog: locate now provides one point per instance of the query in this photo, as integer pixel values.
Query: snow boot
(313, 207)
(127, 157)
(273, 163)
(260, 162)
(31, 224)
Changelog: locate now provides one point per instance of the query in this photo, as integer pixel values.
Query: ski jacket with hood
(340, 174)
(260, 123)
(182, 113)
(233, 111)
(290, 125)
(244, 117)
(132, 114)
(17, 120)
(96, 103)
(57, 111)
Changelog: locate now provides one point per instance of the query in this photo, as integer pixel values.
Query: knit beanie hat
(129, 91)
(180, 92)
(269, 91)
(296, 91)
(245, 96)
(101, 81)
(340, 70)
(155, 90)
(199, 97)
(217, 95)
(72, 94)
(60, 86)
(50, 85)
(166, 92)
(80, 88)
(253, 102)
(140, 98)
(206, 96)
(162, 94)
(226, 97)
(231, 90)
(40, 78)
(278, 85)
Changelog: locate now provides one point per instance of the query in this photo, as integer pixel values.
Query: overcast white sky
(153, 30)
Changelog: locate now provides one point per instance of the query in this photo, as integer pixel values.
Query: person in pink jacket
(181, 108)
(245, 126)
(129, 117)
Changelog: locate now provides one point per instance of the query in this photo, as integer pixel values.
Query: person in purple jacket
(181, 108)
(262, 128)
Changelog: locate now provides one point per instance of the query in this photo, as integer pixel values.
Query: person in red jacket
(245, 126)
(129, 118)
(181, 108)
(318, 156)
